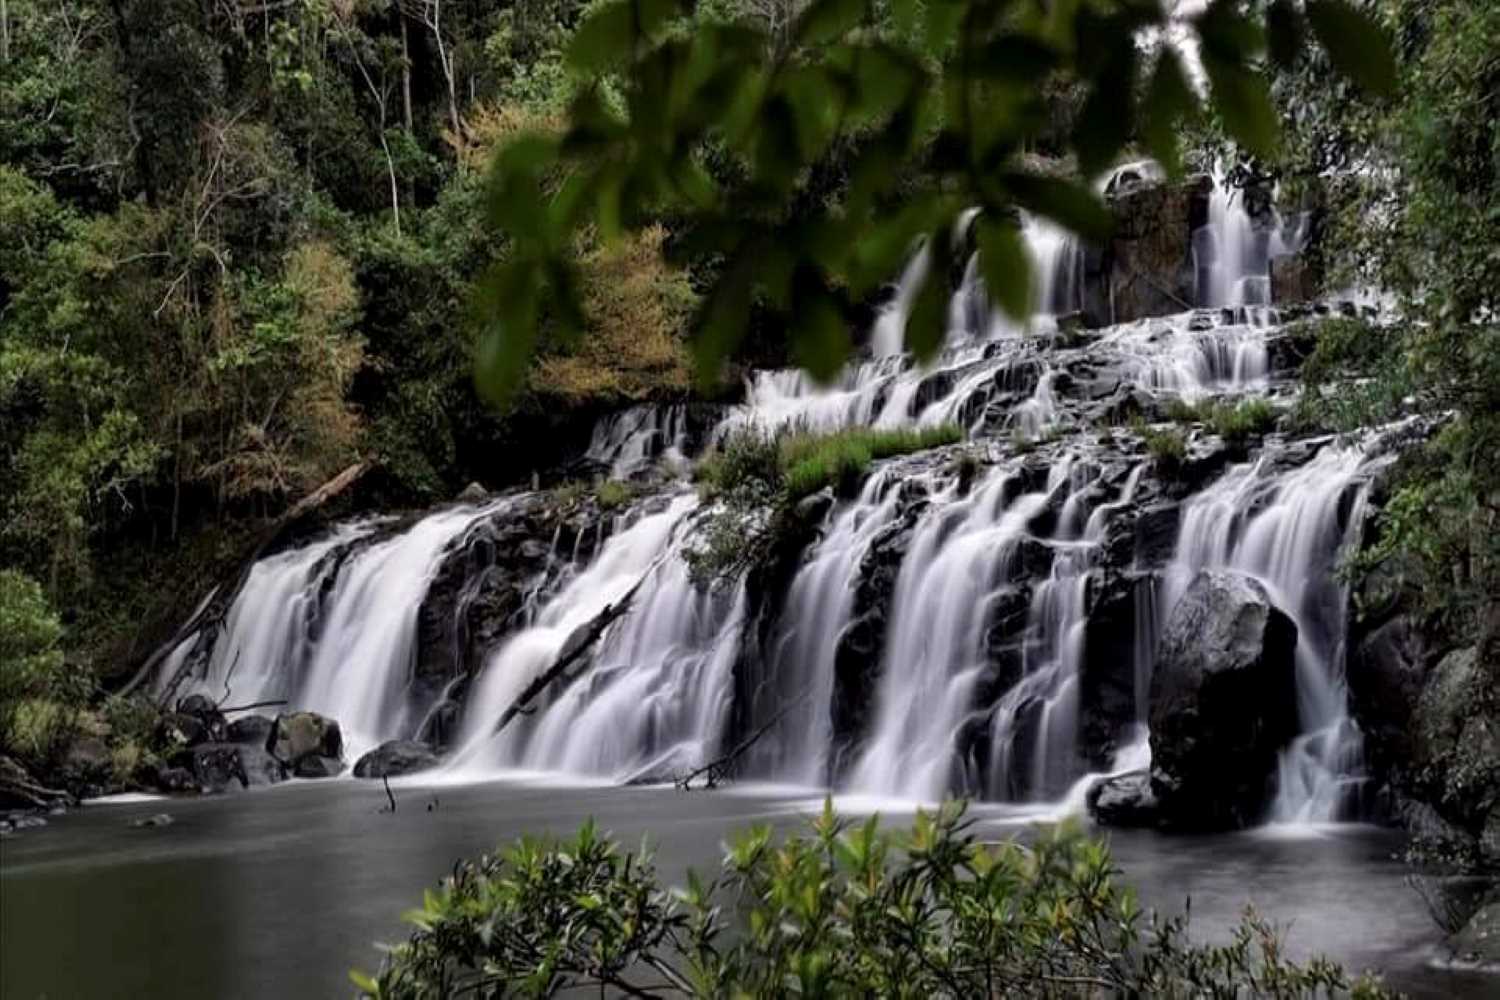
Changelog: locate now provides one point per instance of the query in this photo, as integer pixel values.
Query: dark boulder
(299, 735)
(1452, 899)
(202, 708)
(1223, 703)
(214, 767)
(1478, 943)
(1385, 674)
(178, 730)
(259, 766)
(1456, 741)
(393, 758)
(1126, 800)
(250, 729)
(1107, 674)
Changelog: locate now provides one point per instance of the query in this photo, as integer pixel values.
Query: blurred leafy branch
(942, 100)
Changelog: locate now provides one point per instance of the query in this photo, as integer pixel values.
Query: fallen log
(19, 790)
(578, 643)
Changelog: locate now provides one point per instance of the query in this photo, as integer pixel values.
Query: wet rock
(177, 729)
(304, 734)
(1452, 899)
(1107, 673)
(1456, 734)
(214, 767)
(259, 766)
(1479, 941)
(156, 820)
(393, 758)
(176, 780)
(1146, 268)
(473, 493)
(1386, 672)
(250, 729)
(1125, 800)
(202, 708)
(1434, 841)
(1156, 532)
(1223, 703)
(318, 766)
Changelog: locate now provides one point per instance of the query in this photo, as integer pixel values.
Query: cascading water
(977, 682)
(1285, 529)
(331, 627)
(658, 689)
(1233, 252)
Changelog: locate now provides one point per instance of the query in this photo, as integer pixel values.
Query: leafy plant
(613, 494)
(1166, 445)
(845, 909)
(940, 100)
(756, 480)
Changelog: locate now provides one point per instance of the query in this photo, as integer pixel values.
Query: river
(280, 892)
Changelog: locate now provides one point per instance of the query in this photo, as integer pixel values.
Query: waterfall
(937, 633)
(331, 627)
(658, 689)
(1233, 252)
(818, 609)
(631, 440)
(958, 558)
(1284, 529)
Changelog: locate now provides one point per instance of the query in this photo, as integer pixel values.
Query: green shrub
(1236, 423)
(756, 479)
(846, 910)
(1243, 421)
(34, 685)
(613, 494)
(1166, 446)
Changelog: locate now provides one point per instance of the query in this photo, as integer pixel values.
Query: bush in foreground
(846, 910)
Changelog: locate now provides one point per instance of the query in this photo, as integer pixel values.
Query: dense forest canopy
(248, 244)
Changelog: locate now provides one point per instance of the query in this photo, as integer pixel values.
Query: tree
(940, 100)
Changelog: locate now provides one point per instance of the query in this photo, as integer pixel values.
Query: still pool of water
(281, 892)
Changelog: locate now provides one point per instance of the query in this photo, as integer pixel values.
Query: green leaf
(943, 18)
(722, 320)
(1005, 266)
(1072, 206)
(826, 20)
(1242, 100)
(365, 983)
(1015, 57)
(1356, 45)
(927, 323)
(611, 32)
(606, 37)
(1106, 121)
(1284, 31)
(1168, 101)
(509, 336)
(820, 339)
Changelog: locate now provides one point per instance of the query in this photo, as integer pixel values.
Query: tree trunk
(405, 76)
(4, 31)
